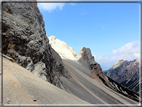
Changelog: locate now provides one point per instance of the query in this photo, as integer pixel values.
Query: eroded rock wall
(24, 40)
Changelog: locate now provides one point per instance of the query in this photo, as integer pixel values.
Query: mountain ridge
(125, 73)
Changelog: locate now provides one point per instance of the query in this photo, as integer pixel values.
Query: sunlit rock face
(24, 40)
(125, 73)
(63, 49)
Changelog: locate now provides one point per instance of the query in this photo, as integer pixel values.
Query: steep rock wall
(24, 40)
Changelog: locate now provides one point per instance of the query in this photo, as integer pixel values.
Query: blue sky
(110, 30)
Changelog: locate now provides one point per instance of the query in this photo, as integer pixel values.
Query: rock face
(24, 40)
(86, 55)
(125, 73)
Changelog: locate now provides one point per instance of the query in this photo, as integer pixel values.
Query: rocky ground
(22, 87)
(90, 89)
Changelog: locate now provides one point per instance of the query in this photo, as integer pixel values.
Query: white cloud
(129, 52)
(131, 47)
(136, 55)
(50, 6)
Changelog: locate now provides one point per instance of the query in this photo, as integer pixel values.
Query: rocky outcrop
(86, 55)
(24, 40)
(125, 73)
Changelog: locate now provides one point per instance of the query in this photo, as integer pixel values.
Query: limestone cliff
(24, 40)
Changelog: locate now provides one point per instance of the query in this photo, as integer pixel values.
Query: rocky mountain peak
(64, 50)
(52, 38)
(86, 55)
(117, 64)
(136, 60)
(125, 72)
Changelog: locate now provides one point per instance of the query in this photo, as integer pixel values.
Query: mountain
(126, 73)
(42, 70)
(87, 76)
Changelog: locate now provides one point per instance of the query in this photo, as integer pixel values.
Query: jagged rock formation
(126, 73)
(96, 71)
(86, 55)
(24, 40)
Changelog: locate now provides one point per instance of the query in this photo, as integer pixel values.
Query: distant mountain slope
(126, 73)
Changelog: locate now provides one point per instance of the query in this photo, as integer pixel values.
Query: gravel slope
(22, 87)
(90, 89)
